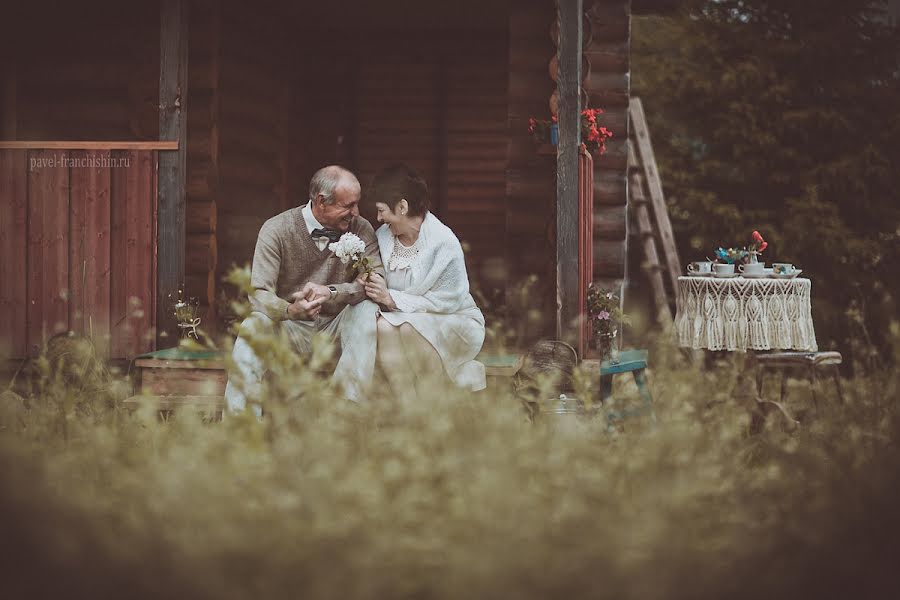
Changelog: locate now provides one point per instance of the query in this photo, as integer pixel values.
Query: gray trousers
(353, 329)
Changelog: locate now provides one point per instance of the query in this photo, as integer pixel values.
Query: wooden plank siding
(13, 253)
(78, 249)
(90, 232)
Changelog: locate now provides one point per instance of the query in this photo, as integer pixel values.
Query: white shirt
(312, 224)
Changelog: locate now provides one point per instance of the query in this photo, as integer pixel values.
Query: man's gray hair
(328, 179)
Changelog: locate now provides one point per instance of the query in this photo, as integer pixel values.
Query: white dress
(430, 287)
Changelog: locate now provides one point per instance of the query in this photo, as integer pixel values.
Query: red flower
(553, 118)
(757, 237)
(763, 246)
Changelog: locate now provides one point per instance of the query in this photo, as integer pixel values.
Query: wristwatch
(333, 290)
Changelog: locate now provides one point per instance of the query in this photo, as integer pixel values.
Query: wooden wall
(94, 81)
(254, 78)
(530, 176)
(201, 209)
(436, 100)
(78, 247)
(607, 83)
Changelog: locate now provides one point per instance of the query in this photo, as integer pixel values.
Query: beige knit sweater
(286, 258)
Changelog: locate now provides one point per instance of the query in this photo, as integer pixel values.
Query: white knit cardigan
(438, 303)
(439, 273)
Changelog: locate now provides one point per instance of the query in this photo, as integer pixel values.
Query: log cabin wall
(438, 103)
(201, 211)
(607, 83)
(254, 77)
(530, 183)
(435, 100)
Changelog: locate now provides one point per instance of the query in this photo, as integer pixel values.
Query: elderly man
(301, 288)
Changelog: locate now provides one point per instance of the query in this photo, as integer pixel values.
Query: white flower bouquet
(352, 252)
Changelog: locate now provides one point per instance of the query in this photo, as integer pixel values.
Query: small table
(740, 314)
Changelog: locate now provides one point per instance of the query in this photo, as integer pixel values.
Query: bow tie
(333, 235)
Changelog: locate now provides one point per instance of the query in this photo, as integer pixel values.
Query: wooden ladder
(647, 208)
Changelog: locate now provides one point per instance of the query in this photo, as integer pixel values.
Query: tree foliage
(781, 116)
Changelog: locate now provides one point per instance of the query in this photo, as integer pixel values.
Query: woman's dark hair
(397, 182)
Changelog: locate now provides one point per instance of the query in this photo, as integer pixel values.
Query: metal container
(563, 414)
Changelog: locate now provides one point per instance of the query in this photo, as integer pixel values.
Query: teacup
(782, 268)
(752, 268)
(723, 269)
(700, 267)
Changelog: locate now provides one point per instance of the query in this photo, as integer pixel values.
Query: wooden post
(173, 86)
(568, 83)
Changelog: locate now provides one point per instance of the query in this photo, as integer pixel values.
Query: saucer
(790, 275)
(689, 274)
(725, 275)
(755, 275)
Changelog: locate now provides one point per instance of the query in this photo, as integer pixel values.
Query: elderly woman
(429, 327)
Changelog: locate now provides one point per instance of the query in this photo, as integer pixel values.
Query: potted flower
(593, 135)
(606, 316)
(756, 247)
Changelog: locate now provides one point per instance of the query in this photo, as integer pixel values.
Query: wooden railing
(78, 244)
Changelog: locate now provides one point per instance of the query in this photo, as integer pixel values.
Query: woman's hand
(376, 290)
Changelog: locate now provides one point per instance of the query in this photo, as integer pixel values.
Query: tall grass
(461, 496)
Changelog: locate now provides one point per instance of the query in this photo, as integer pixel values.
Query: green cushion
(178, 353)
(629, 360)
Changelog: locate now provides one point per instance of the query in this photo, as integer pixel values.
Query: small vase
(554, 133)
(607, 346)
(753, 258)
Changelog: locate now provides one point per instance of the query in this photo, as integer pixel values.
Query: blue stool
(629, 361)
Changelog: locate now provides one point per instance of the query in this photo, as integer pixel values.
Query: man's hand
(302, 309)
(376, 290)
(313, 291)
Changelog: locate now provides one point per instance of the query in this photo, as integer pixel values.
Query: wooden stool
(812, 362)
(630, 361)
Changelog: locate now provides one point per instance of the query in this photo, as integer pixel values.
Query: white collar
(311, 222)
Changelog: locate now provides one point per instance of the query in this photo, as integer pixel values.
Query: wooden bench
(174, 378)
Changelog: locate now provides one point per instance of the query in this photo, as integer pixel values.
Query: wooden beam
(568, 83)
(173, 86)
(84, 145)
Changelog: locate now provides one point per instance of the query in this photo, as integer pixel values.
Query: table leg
(759, 407)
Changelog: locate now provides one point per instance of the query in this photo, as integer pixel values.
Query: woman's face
(394, 220)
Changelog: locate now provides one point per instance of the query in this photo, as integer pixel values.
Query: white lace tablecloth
(745, 314)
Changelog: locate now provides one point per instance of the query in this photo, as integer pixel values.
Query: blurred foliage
(461, 496)
(781, 116)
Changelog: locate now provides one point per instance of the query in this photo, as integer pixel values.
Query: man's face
(339, 214)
